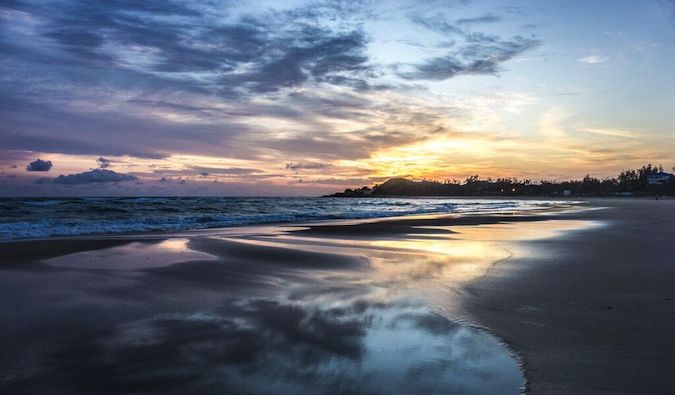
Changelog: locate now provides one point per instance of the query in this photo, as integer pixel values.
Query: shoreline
(594, 313)
(522, 297)
(258, 272)
(249, 228)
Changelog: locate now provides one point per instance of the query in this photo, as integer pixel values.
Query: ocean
(25, 218)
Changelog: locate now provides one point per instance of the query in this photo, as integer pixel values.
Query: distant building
(567, 192)
(659, 178)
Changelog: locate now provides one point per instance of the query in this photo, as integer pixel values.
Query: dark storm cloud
(88, 177)
(39, 165)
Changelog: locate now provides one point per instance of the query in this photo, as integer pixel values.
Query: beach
(596, 313)
(567, 299)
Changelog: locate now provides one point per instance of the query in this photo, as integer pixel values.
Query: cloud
(146, 76)
(76, 146)
(39, 165)
(478, 53)
(487, 18)
(88, 177)
(613, 132)
(593, 59)
(205, 170)
(479, 57)
(266, 85)
(11, 157)
(552, 123)
(436, 23)
(232, 56)
(103, 163)
(322, 56)
(305, 165)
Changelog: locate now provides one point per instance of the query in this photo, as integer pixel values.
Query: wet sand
(594, 311)
(583, 299)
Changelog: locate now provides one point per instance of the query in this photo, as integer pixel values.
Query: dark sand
(585, 299)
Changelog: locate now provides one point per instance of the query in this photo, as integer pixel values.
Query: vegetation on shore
(633, 182)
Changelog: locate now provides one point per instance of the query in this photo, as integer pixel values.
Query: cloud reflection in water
(280, 315)
(360, 343)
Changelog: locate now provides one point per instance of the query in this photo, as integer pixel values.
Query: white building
(659, 178)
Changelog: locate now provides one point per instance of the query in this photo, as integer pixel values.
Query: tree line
(632, 182)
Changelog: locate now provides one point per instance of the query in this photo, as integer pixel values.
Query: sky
(276, 98)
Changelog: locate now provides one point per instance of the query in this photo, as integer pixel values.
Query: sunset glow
(292, 98)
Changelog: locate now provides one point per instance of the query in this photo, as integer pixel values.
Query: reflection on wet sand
(277, 346)
(516, 231)
(451, 255)
(285, 313)
(132, 256)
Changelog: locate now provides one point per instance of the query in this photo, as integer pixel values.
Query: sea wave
(40, 218)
